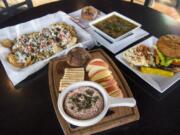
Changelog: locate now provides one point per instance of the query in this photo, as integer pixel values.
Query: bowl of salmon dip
(85, 103)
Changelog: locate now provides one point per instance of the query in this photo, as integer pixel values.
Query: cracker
(74, 69)
(74, 74)
(73, 78)
(71, 75)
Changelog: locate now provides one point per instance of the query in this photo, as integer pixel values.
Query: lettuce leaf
(165, 61)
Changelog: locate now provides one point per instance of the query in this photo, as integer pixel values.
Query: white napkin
(16, 75)
(119, 45)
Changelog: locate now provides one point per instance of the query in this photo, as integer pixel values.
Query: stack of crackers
(71, 75)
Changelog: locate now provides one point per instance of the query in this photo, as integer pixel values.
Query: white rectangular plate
(109, 15)
(16, 75)
(160, 83)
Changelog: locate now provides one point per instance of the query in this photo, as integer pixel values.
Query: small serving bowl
(108, 103)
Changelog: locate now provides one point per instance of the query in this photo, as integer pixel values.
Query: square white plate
(109, 15)
(121, 44)
(160, 83)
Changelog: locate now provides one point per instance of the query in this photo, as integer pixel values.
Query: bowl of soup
(114, 26)
(85, 103)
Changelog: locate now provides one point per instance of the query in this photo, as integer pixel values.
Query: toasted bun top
(169, 45)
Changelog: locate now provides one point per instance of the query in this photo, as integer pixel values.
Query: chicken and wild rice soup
(83, 103)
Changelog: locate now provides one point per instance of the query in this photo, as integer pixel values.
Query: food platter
(160, 83)
(17, 74)
(30, 48)
(115, 117)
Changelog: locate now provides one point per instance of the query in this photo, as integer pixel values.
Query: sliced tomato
(177, 63)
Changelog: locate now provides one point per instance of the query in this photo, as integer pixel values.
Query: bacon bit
(143, 50)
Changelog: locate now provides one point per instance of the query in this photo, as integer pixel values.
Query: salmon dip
(83, 103)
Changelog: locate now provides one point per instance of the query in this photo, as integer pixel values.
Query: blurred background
(169, 7)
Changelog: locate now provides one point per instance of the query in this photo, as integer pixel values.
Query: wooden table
(27, 109)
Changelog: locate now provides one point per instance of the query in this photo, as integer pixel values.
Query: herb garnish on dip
(83, 103)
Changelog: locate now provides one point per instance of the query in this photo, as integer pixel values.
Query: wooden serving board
(115, 117)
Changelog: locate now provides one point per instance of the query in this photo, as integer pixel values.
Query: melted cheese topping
(39, 45)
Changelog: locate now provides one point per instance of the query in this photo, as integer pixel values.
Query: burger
(167, 52)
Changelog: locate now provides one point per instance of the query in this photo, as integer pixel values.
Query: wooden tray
(115, 117)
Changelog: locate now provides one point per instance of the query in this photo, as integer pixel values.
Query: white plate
(16, 75)
(76, 16)
(109, 15)
(158, 82)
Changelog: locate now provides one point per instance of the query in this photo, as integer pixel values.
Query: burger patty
(169, 45)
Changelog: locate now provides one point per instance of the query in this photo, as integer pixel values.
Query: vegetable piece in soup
(83, 103)
(115, 26)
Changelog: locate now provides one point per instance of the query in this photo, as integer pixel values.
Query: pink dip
(83, 103)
